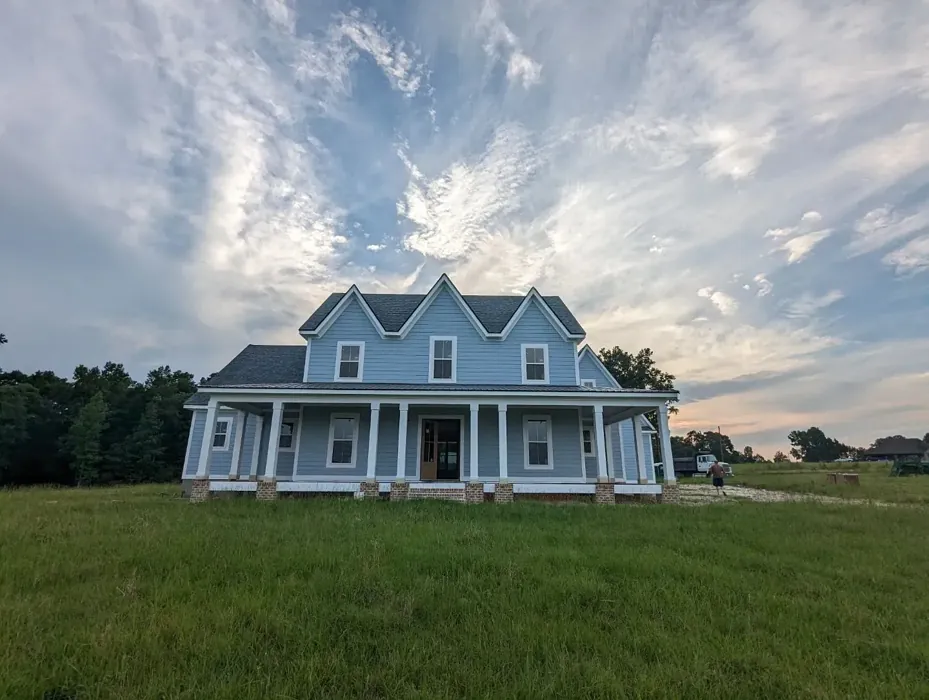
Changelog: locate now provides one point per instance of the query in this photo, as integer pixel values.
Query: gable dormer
(414, 338)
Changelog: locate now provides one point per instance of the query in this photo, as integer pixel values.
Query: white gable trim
(546, 310)
(600, 364)
(443, 281)
(352, 293)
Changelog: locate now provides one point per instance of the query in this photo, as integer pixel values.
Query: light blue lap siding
(566, 448)
(222, 459)
(385, 466)
(591, 370)
(314, 443)
(632, 470)
(407, 360)
(488, 444)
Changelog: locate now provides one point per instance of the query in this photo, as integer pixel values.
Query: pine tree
(144, 449)
(83, 440)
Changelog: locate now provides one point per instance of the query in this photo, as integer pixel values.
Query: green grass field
(132, 593)
(876, 482)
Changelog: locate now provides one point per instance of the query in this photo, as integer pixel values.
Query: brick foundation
(605, 495)
(199, 490)
(670, 493)
(457, 495)
(369, 488)
(474, 492)
(267, 490)
(503, 493)
(399, 491)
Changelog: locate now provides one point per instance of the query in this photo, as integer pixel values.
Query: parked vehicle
(698, 464)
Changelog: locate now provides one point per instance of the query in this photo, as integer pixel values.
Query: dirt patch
(700, 495)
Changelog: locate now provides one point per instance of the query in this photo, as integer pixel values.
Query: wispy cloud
(911, 258)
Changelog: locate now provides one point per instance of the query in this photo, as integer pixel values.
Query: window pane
(442, 350)
(538, 454)
(222, 427)
(538, 431)
(442, 369)
(287, 429)
(344, 429)
(351, 353)
(348, 370)
(535, 355)
(219, 440)
(341, 451)
(286, 442)
(535, 372)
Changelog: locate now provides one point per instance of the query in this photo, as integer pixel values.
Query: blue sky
(743, 187)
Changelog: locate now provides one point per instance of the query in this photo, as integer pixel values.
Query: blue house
(437, 395)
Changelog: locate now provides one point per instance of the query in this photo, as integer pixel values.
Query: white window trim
(432, 339)
(354, 462)
(295, 420)
(228, 422)
(522, 362)
(338, 360)
(593, 445)
(590, 383)
(548, 425)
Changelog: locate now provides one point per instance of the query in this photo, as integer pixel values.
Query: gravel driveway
(701, 495)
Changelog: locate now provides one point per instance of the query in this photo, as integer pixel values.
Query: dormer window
(349, 361)
(443, 359)
(535, 364)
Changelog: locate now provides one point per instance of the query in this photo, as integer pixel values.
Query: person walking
(716, 471)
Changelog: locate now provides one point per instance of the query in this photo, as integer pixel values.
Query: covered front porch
(460, 446)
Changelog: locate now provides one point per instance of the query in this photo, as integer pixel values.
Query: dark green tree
(17, 410)
(680, 447)
(143, 450)
(780, 457)
(84, 440)
(812, 445)
(709, 441)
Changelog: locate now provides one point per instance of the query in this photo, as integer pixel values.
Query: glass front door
(441, 450)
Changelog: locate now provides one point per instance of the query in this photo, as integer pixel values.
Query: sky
(742, 187)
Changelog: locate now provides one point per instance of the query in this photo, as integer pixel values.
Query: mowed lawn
(134, 593)
(876, 484)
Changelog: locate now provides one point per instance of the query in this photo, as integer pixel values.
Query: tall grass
(133, 593)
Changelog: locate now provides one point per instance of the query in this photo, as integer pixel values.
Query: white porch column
(664, 434)
(256, 447)
(206, 446)
(401, 440)
(639, 449)
(473, 457)
(607, 439)
(241, 417)
(601, 447)
(501, 429)
(372, 437)
(274, 439)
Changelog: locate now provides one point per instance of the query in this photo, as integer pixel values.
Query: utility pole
(722, 452)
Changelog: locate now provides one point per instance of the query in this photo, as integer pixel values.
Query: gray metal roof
(493, 311)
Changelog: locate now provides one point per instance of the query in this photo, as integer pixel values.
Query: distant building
(899, 448)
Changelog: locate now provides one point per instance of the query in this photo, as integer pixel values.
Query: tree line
(99, 427)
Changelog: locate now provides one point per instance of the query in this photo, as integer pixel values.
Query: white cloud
(765, 286)
(911, 258)
(455, 211)
(390, 55)
(883, 226)
(726, 304)
(800, 241)
(375, 247)
(499, 40)
(808, 305)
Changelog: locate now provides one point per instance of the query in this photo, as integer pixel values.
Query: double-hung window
(537, 438)
(286, 441)
(349, 361)
(587, 438)
(535, 364)
(343, 441)
(443, 358)
(222, 433)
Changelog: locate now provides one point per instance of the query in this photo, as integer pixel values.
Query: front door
(441, 450)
